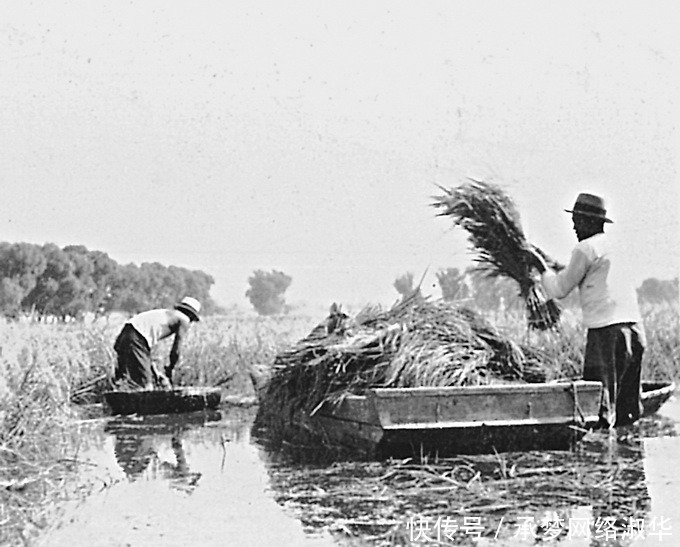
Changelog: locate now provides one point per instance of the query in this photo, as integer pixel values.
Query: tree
(453, 284)
(494, 293)
(266, 292)
(656, 291)
(11, 295)
(77, 289)
(404, 285)
(21, 264)
(72, 281)
(45, 298)
(103, 275)
(197, 284)
(126, 294)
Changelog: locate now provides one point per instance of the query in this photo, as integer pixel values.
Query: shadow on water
(207, 479)
(190, 479)
(136, 441)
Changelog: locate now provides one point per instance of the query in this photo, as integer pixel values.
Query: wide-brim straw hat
(590, 205)
(191, 307)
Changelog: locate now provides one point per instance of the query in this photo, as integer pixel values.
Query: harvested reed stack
(495, 233)
(417, 342)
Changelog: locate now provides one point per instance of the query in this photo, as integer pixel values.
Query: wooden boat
(168, 401)
(458, 420)
(464, 420)
(655, 394)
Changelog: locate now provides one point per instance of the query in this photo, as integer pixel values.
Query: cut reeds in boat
(418, 342)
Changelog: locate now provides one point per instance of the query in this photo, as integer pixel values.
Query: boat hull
(655, 394)
(181, 399)
(459, 420)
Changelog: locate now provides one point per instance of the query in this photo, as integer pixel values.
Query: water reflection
(134, 453)
(174, 481)
(137, 453)
(203, 479)
(139, 441)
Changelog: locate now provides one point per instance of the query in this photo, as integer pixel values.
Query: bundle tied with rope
(495, 233)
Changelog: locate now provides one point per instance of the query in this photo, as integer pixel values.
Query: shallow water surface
(203, 479)
(176, 480)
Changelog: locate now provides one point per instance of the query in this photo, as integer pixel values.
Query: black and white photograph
(339, 274)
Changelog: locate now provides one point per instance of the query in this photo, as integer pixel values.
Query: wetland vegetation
(51, 373)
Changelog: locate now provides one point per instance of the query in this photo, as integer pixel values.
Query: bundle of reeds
(417, 342)
(495, 232)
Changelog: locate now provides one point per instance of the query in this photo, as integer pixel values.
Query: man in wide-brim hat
(615, 339)
(134, 367)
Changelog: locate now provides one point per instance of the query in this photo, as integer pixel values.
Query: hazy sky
(309, 136)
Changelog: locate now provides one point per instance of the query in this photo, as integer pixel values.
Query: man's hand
(168, 374)
(535, 259)
(165, 382)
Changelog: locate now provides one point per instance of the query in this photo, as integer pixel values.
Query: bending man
(141, 333)
(615, 338)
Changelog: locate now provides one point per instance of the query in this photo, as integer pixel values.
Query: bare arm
(180, 329)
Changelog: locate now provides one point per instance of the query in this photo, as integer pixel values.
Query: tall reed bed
(226, 351)
(661, 360)
(40, 367)
(564, 347)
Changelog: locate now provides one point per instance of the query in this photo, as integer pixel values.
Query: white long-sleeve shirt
(606, 293)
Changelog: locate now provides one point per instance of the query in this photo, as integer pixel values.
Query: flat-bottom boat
(403, 422)
(456, 420)
(163, 401)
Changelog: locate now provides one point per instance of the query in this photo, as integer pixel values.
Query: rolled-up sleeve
(559, 285)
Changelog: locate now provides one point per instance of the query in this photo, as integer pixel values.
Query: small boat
(655, 394)
(456, 420)
(163, 401)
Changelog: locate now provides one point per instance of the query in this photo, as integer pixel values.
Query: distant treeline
(497, 293)
(46, 280)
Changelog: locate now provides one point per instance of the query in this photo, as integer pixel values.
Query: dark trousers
(134, 358)
(614, 357)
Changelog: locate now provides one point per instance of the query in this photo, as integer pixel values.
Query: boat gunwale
(471, 424)
(175, 391)
(663, 389)
(546, 387)
(659, 390)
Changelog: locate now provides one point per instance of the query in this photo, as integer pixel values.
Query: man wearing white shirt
(141, 333)
(616, 339)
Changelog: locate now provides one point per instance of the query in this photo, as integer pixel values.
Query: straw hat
(590, 205)
(191, 307)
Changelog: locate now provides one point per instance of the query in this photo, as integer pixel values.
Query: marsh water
(207, 479)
